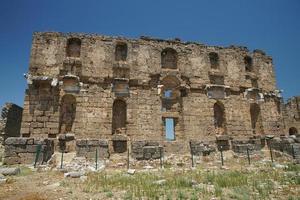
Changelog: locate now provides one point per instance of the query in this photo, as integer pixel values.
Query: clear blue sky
(270, 25)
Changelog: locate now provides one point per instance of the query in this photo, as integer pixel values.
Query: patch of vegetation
(193, 184)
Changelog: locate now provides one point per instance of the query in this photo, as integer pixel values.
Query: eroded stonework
(126, 91)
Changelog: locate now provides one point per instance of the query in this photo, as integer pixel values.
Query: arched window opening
(119, 116)
(248, 64)
(67, 113)
(256, 120)
(214, 60)
(219, 118)
(121, 52)
(293, 131)
(169, 59)
(73, 47)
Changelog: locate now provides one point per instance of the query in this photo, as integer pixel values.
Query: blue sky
(270, 25)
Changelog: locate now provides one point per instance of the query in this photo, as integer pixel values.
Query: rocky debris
(160, 182)
(74, 174)
(83, 178)
(279, 166)
(73, 163)
(10, 171)
(2, 179)
(131, 171)
(148, 167)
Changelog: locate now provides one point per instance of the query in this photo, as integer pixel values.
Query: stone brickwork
(23, 150)
(95, 87)
(200, 148)
(10, 121)
(146, 150)
(287, 144)
(87, 148)
(253, 144)
(291, 111)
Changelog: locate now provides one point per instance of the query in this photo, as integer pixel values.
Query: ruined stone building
(147, 92)
(292, 115)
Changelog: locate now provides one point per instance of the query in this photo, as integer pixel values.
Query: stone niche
(71, 84)
(23, 150)
(121, 87)
(216, 91)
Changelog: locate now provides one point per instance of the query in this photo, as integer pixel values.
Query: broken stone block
(10, 171)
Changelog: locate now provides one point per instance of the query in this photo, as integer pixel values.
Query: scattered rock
(148, 167)
(10, 171)
(74, 174)
(131, 171)
(279, 166)
(2, 181)
(160, 182)
(83, 178)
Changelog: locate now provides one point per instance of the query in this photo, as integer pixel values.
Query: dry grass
(33, 196)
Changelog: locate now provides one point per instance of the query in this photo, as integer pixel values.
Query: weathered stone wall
(88, 148)
(10, 121)
(94, 75)
(24, 150)
(291, 111)
(146, 150)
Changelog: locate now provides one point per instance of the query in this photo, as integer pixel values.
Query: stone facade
(10, 121)
(129, 90)
(25, 150)
(292, 115)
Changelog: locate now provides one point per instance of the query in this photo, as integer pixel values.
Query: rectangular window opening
(170, 129)
(167, 94)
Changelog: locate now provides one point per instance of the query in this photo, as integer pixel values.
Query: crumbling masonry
(146, 94)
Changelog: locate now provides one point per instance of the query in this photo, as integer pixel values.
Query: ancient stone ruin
(149, 96)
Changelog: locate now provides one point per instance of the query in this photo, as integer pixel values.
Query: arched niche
(256, 119)
(67, 113)
(119, 116)
(219, 118)
(169, 59)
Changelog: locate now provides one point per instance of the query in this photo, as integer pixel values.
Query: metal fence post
(293, 152)
(271, 154)
(127, 158)
(37, 155)
(161, 162)
(192, 155)
(62, 158)
(96, 160)
(222, 159)
(248, 156)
